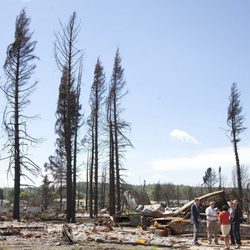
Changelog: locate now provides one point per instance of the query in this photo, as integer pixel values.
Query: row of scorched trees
(106, 130)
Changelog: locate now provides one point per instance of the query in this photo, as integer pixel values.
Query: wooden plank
(31, 228)
(67, 234)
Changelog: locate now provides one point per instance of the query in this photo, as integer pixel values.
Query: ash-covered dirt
(39, 235)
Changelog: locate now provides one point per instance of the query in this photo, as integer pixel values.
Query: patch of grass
(154, 248)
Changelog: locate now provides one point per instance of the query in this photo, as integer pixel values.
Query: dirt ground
(110, 246)
(99, 238)
(88, 235)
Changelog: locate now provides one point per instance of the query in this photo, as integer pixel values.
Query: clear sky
(180, 60)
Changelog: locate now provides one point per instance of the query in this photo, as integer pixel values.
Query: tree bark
(239, 181)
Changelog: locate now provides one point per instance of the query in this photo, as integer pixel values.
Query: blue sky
(180, 60)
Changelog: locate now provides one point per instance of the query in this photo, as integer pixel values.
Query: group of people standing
(229, 219)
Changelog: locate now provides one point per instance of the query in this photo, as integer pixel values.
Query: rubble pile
(50, 234)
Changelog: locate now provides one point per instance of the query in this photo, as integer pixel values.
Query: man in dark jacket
(195, 220)
(236, 220)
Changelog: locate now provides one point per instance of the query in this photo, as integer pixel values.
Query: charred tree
(112, 197)
(235, 121)
(117, 126)
(19, 67)
(91, 145)
(87, 185)
(220, 178)
(68, 59)
(76, 127)
(90, 162)
(96, 101)
(103, 188)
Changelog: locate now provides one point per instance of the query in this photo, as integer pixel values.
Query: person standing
(225, 223)
(231, 212)
(212, 223)
(195, 220)
(236, 220)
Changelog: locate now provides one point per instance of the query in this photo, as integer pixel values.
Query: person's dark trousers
(232, 235)
(236, 232)
(196, 231)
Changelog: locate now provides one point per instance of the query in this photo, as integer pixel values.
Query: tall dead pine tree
(90, 161)
(68, 59)
(19, 67)
(235, 121)
(96, 101)
(109, 120)
(117, 129)
(76, 126)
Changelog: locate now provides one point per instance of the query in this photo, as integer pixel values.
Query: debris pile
(163, 222)
(49, 234)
